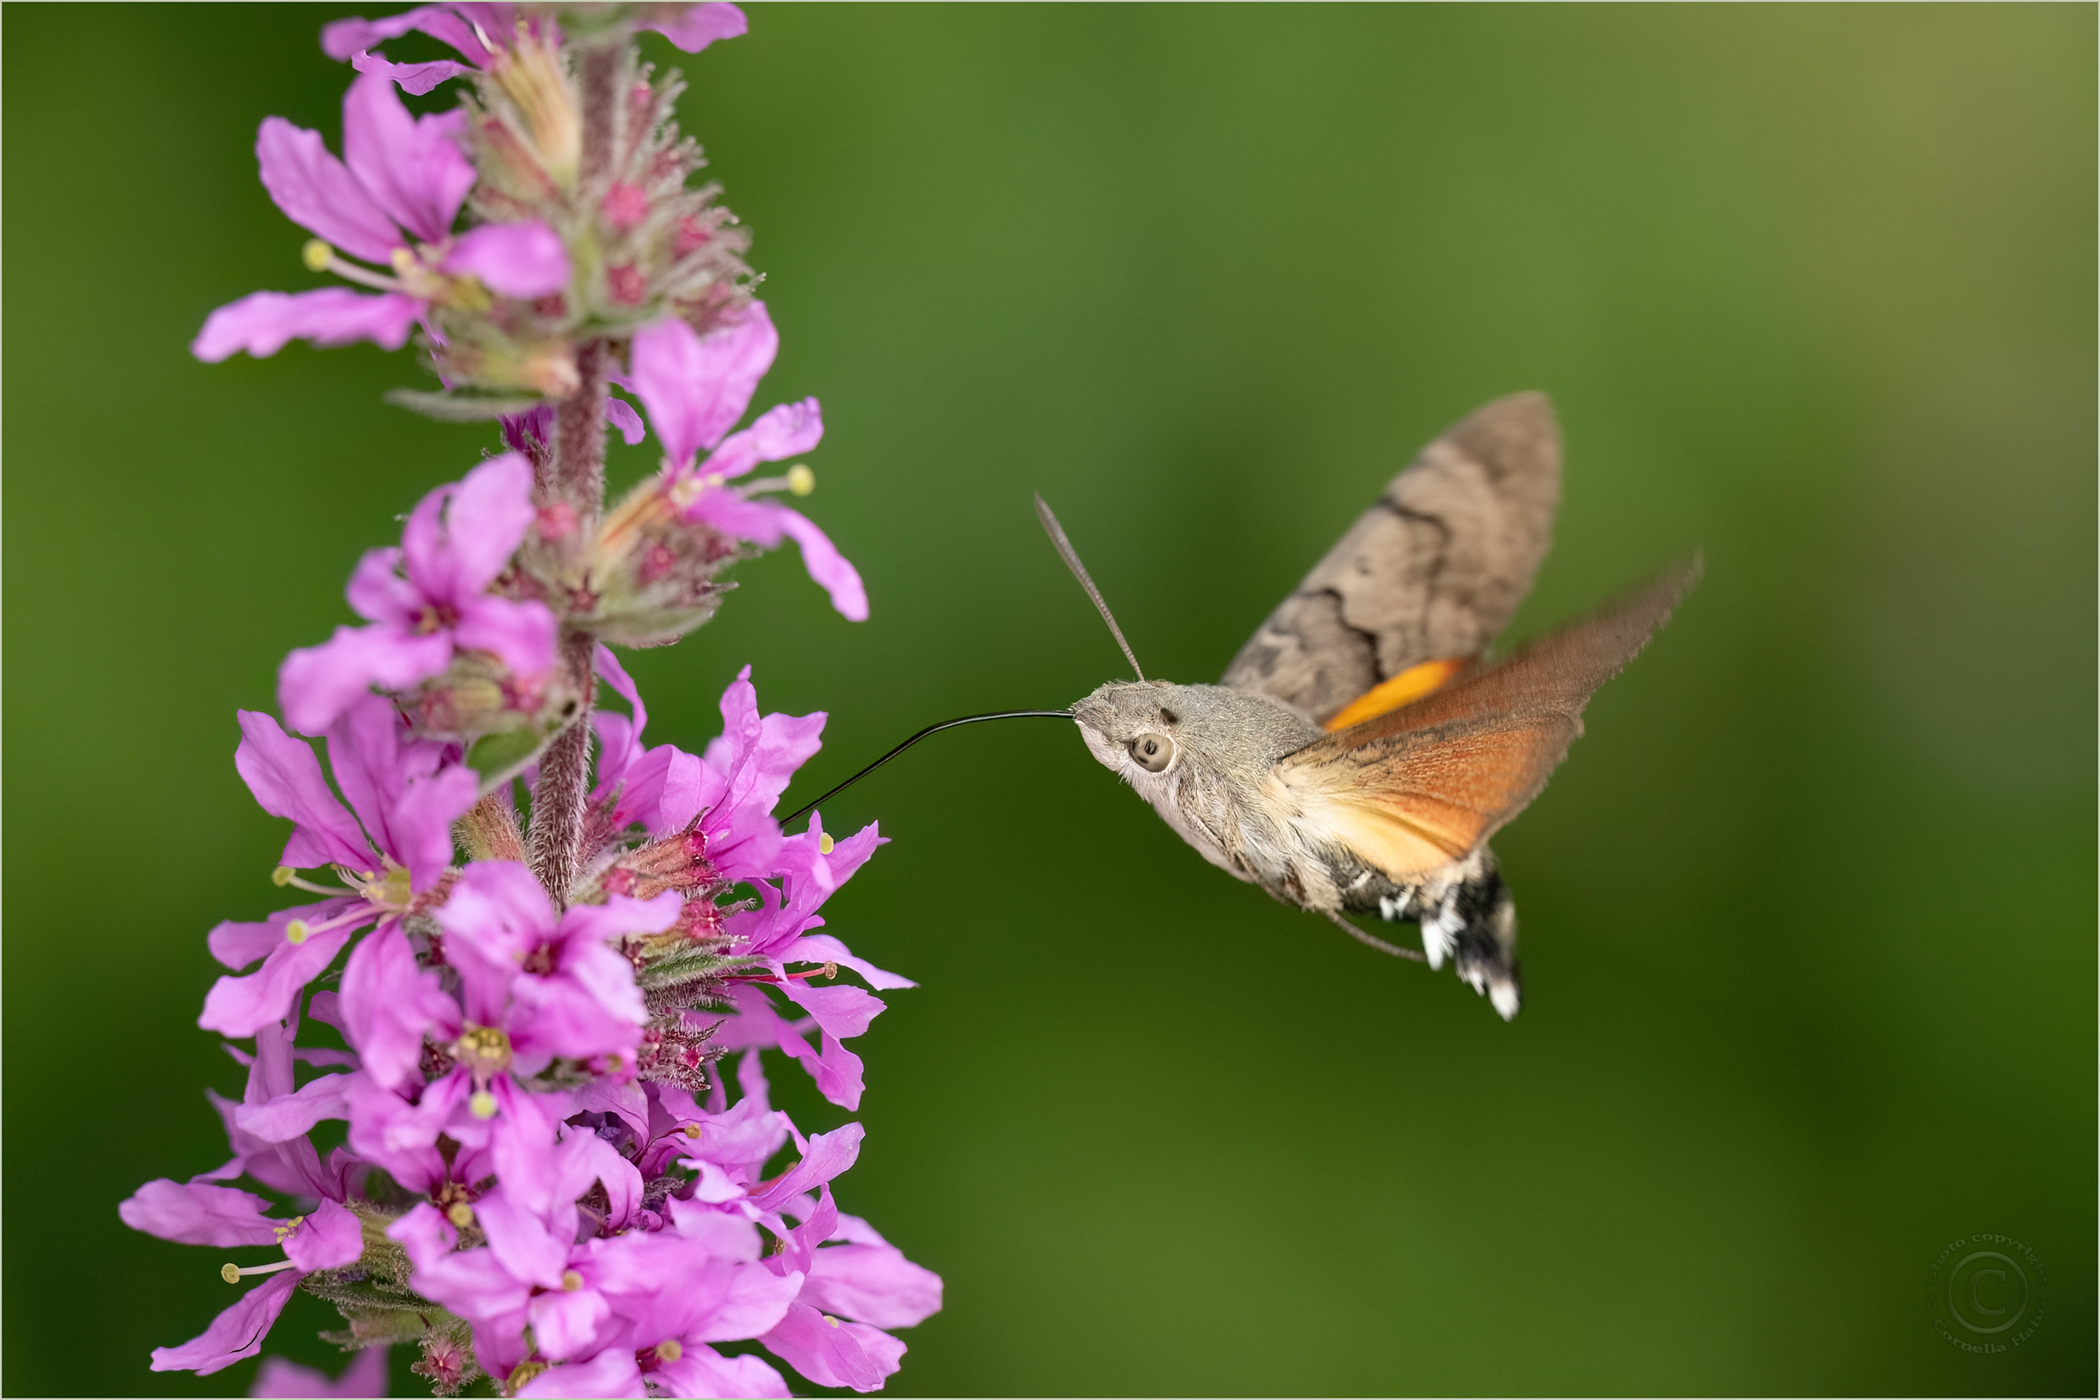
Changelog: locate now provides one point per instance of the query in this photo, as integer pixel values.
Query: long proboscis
(1071, 558)
(807, 807)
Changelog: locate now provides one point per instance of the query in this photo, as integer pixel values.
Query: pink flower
(428, 600)
(406, 796)
(726, 795)
(695, 388)
(533, 988)
(391, 201)
(199, 1212)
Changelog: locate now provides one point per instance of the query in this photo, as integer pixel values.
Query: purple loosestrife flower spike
(562, 1169)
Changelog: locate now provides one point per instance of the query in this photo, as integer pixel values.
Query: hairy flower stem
(560, 798)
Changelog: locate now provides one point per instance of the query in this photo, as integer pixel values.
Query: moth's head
(1136, 729)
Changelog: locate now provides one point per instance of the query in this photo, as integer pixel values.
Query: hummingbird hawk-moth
(1362, 748)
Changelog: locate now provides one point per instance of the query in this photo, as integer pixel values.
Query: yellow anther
(612, 1064)
(831, 1320)
(230, 1272)
(669, 1351)
(483, 1104)
(692, 1131)
(281, 1231)
(824, 844)
(460, 1214)
(801, 480)
(282, 875)
(571, 1281)
(316, 255)
(403, 260)
(296, 931)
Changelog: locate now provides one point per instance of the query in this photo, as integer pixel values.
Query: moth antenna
(929, 729)
(1071, 558)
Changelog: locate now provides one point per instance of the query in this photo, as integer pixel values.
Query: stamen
(825, 844)
(296, 931)
(316, 255)
(482, 1105)
(233, 1273)
(799, 481)
(669, 1351)
(692, 1131)
(349, 271)
(281, 1231)
(571, 1281)
(460, 1214)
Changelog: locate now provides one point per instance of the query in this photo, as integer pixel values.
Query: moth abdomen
(1466, 914)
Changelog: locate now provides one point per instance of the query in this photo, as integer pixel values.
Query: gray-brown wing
(1432, 572)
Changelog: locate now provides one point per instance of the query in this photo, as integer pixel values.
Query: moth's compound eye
(1153, 752)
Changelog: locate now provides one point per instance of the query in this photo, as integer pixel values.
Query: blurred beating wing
(1423, 785)
(1432, 572)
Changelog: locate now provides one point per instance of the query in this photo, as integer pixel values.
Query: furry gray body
(1215, 791)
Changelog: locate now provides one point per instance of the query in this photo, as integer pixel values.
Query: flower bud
(653, 572)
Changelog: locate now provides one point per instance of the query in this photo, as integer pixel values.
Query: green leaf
(461, 407)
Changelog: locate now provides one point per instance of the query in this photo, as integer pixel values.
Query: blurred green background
(1808, 917)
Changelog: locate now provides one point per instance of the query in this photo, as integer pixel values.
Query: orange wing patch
(1404, 689)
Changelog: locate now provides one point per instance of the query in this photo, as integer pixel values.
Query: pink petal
(410, 166)
(364, 1376)
(317, 192)
(872, 1283)
(620, 914)
(388, 1002)
(840, 1011)
(512, 260)
(486, 520)
(240, 1006)
(825, 1156)
(234, 1335)
(700, 25)
(344, 37)
(520, 633)
(194, 1214)
(286, 779)
(523, 1244)
(378, 593)
(834, 1353)
(316, 684)
(610, 1372)
(236, 945)
(470, 1282)
(566, 1324)
(621, 415)
(696, 387)
(293, 1115)
(414, 79)
(262, 323)
(330, 1238)
(785, 430)
(703, 1371)
(406, 800)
